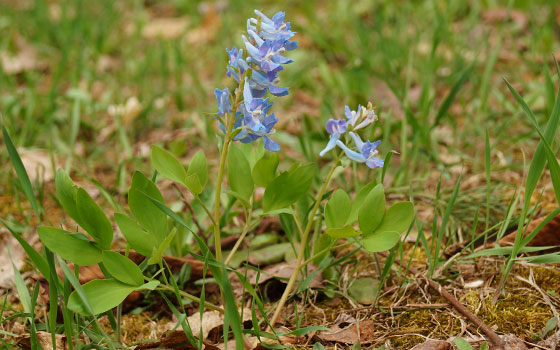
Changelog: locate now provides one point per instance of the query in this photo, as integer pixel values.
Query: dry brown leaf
(207, 30)
(283, 271)
(348, 330)
(210, 321)
(38, 164)
(44, 339)
(498, 15)
(7, 241)
(511, 342)
(166, 28)
(25, 59)
(547, 236)
(433, 345)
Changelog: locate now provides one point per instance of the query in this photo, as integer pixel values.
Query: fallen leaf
(38, 164)
(511, 342)
(433, 345)
(269, 255)
(44, 339)
(208, 29)
(552, 342)
(166, 28)
(364, 290)
(547, 236)
(283, 271)
(502, 14)
(348, 330)
(210, 321)
(7, 241)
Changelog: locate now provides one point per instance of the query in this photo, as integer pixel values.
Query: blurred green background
(96, 82)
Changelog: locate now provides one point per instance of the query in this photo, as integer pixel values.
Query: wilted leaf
(364, 290)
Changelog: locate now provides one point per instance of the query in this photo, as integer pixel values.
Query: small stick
(190, 209)
(494, 338)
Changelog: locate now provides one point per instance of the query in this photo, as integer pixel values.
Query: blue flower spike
(266, 41)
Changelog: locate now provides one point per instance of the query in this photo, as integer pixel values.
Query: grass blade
(442, 112)
(20, 171)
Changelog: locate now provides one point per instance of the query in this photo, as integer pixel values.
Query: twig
(190, 209)
(489, 332)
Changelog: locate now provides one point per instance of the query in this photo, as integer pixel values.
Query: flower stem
(302, 247)
(221, 171)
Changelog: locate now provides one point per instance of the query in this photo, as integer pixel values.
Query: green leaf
(66, 191)
(462, 344)
(144, 210)
(21, 288)
(452, 94)
(372, 210)
(139, 240)
(193, 184)
(381, 240)
(158, 253)
(344, 232)
(239, 173)
(103, 295)
(358, 201)
(337, 209)
(536, 165)
(20, 171)
(93, 220)
(540, 156)
(199, 167)
(550, 325)
(69, 246)
(397, 218)
(288, 187)
(265, 169)
(167, 165)
(322, 242)
(122, 268)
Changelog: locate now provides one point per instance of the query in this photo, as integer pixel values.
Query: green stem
(197, 198)
(221, 171)
(243, 234)
(193, 298)
(302, 247)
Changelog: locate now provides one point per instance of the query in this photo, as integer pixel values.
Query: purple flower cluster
(266, 41)
(365, 151)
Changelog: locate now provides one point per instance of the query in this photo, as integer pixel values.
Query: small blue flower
(335, 127)
(271, 29)
(360, 118)
(224, 105)
(266, 53)
(254, 110)
(367, 151)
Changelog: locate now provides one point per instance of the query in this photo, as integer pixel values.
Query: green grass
(435, 71)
